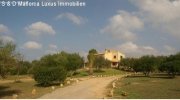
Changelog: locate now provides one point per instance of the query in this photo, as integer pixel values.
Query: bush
(80, 73)
(171, 67)
(75, 61)
(84, 74)
(100, 62)
(46, 76)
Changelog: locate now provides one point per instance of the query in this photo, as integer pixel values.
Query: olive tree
(100, 62)
(7, 57)
(147, 64)
(91, 57)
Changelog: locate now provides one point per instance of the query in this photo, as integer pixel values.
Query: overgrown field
(26, 88)
(107, 72)
(158, 86)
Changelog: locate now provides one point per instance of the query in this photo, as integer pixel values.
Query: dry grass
(109, 72)
(104, 72)
(24, 89)
(155, 87)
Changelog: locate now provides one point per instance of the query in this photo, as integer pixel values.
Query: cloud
(6, 39)
(169, 50)
(51, 52)
(123, 25)
(53, 46)
(52, 49)
(161, 14)
(78, 20)
(38, 28)
(133, 50)
(4, 29)
(84, 55)
(32, 45)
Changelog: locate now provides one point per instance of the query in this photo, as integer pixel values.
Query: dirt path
(93, 88)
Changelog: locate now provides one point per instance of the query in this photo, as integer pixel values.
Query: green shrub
(84, 74)
(80, 73)
(13, 71)
(47, 75)
(100, 62)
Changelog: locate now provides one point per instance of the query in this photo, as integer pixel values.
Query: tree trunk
(90, 68)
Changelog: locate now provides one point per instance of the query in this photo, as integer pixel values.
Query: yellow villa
(113, 56)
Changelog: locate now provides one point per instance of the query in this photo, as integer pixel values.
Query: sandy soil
(11, 81)
(92, 88)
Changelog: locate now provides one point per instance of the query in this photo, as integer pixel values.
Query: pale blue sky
(129, 26)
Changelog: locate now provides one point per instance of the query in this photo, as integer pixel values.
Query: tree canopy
(149, 63)
(7, 58)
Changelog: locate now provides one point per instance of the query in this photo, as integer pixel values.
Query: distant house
(113, 56)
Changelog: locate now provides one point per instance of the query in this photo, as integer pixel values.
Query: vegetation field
(105, 71)
(24, 88)
(155, 87)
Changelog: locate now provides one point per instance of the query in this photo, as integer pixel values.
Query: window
(114, 57)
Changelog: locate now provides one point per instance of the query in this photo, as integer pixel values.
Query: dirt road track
(93, 88)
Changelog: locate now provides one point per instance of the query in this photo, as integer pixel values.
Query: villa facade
(113, 56)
